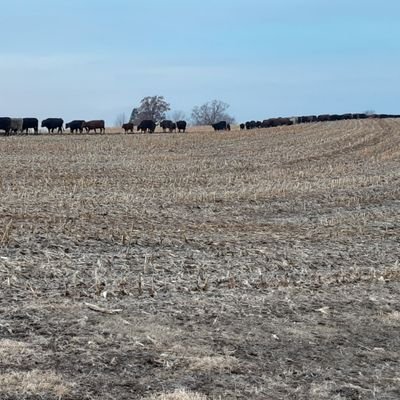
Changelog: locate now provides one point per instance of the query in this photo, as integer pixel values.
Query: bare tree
(120, 119)
(211, 112)
(177, 115)
(151, 107)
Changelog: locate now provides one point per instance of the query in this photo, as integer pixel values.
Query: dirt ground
(242, 265)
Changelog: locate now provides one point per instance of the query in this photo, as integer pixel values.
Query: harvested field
(243, 265)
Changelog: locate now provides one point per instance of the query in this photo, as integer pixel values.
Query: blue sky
(96, 59)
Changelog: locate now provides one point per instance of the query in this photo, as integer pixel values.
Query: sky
(96, 59)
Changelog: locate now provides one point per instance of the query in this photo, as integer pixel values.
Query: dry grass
(12, 351)
(213, 363)
(179, 394)
(38, 383)
(261, 264)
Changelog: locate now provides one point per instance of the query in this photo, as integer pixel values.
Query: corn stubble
(260, 264)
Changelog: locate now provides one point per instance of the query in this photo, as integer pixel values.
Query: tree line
(156, 108)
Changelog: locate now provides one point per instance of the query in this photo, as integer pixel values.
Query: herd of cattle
(273, 122)
(149, 125)
(25, 125)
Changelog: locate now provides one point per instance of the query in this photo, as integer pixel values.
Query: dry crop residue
(249, 265)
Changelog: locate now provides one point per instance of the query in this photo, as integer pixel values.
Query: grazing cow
(251, 124)
(347, 116)
(128, 127)
(147, 125)
(94, 125)
(30, 123)
(221, 126)
(307, 119)
(53, 123)
(266, 123)
(258, 124)
(301, 119)
(242, 126)
(311, 118)
(181, 125)
(273, 122)
(5, 125)
(167, 124)
(75, 125)
(384, 116)
(324, 117)
(281, 121)
(360, 116)
(285, 121)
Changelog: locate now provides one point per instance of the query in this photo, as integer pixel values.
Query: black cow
(360, 116)
(311, 118)
(285, 121)
(221, 126)
(384, 116)
(5, 125)
(282, 121)
(75, 125)
(181, 125)
(324, 117)
(301, 119)
(242, 126)
(147, 125)
(53, 123)
(347, 116)
(266, 123)
(251, 124)
(128, 127)
(94, 125)
(167, 124)
(273, 122)
(258, 124)
(30, 123)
